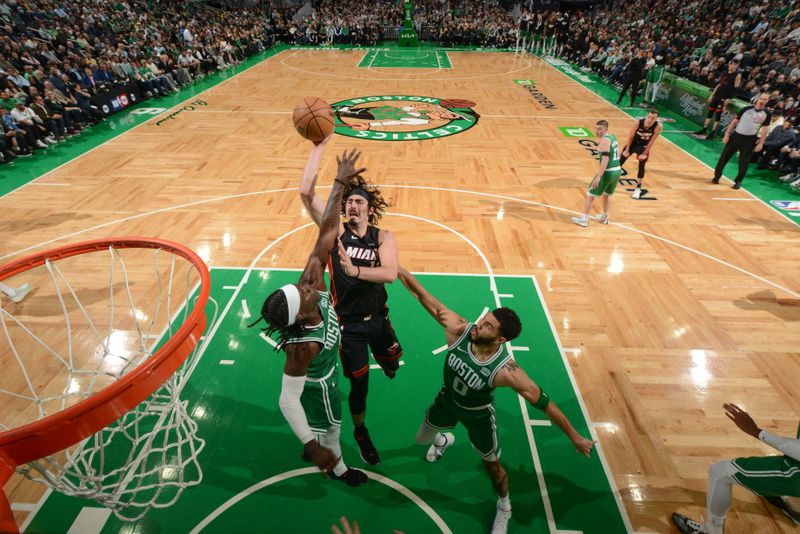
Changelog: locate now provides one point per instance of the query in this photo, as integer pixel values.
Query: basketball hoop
(123, 359)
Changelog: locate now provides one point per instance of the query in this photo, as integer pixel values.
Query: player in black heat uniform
(641, 137)
(362, 261)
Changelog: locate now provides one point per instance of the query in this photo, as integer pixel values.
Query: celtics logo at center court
(403, 118)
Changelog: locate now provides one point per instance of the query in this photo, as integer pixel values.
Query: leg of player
(439, 441)
(718, 502)
(712, 133)
(500, 482)
(15, 294)
(709, 115)
(351, 477)
(640, 191)
(359, 387)
(603, 217)
(583, 220)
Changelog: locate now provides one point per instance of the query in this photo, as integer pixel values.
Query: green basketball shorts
(607, 185)
(481, 425)
(769, 476)
(320, 400)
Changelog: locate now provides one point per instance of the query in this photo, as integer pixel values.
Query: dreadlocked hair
(275, 312)
(376, 202)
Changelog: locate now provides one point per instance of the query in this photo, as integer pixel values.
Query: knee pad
(721, 470)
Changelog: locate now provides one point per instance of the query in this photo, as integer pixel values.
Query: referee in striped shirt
(742, 135)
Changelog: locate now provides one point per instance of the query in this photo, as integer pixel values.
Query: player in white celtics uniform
(477, 362)
(308, 330)
(771, 477)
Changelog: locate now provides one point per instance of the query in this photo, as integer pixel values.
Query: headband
(361, 192)
(292, 301)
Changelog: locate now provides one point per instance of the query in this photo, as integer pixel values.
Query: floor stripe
(376, 366)
(612, 483)
(245, 309)
(23, 506)
(227, 362)
(268, 339)
(412, 77)
(410, 495)
(505, 296)
(431, 188)
(540, 422)
(25, 524)
(90, 521)
(522, 349)
(576, 351)
(229, 287)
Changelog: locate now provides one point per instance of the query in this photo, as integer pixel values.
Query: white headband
(292, 301)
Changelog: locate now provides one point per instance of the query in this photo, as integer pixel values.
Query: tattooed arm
(513, 376)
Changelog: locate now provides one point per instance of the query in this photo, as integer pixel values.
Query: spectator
(775, 141)
(26, 118)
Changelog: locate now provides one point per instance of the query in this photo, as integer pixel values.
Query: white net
(90, 320)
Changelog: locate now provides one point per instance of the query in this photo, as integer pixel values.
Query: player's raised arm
(513, 376)
(308, 182)
(329, 224)
(453, 323)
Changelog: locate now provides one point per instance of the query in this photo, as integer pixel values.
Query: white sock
(340, 468)
(440, 440)
(715, 525)
(504, 503)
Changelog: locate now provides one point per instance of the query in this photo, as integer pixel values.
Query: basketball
(313, 118)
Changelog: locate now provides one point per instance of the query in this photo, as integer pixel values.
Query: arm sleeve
(292, 388)
(788, 446)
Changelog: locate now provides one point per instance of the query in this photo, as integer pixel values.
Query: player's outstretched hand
(347, 166)
(345, 261)
(584, 446)
(742, 419)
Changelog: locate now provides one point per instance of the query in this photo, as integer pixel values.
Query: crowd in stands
(446, 22)
(461, 22)
(696, 40)
(56, 56)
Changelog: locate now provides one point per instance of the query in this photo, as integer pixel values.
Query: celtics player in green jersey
(303, 317)
(478, 361)
(605, 181)
(772, 477)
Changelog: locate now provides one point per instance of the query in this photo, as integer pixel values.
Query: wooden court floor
(681, 304)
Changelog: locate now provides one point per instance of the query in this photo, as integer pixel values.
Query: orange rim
(61, 430)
